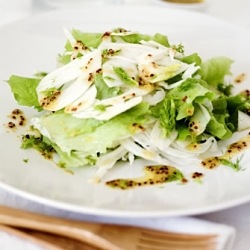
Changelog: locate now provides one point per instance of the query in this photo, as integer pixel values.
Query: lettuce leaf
(92, 40)
(185, 95)
(193, 58)
(213, 71)
(103, 91)
(180, 102)
(24, 90)
(87, 138)
(217, 127)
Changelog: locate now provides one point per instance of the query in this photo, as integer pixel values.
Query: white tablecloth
(236, 11)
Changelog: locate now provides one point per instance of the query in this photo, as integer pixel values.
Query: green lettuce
(213, 71)
(138, 37)
(81, 138)
(24, 90)
(193, 58)
(93, 40)
(217, 127)
(193, 109)
(103, 91)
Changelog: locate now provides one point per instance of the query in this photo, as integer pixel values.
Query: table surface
(233, 11)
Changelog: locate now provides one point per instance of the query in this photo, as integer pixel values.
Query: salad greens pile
(122, 95)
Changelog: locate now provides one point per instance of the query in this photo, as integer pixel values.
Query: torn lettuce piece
(91, 40)
(185, 94)
(217, 127)
(89, 137)
(179, 103)
(103, 91)
(213, 71)
(138, 37)
(24, 90)
(193, 58)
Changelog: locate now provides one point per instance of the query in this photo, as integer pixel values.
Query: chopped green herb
(123, 75)
(38, 143)
(100, 107)
(179, 48)
(234, 165)
(40, 74)
(50, 92)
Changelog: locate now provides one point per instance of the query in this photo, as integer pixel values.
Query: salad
(122, 96)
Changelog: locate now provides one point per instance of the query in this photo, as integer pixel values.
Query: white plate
(34, 43)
